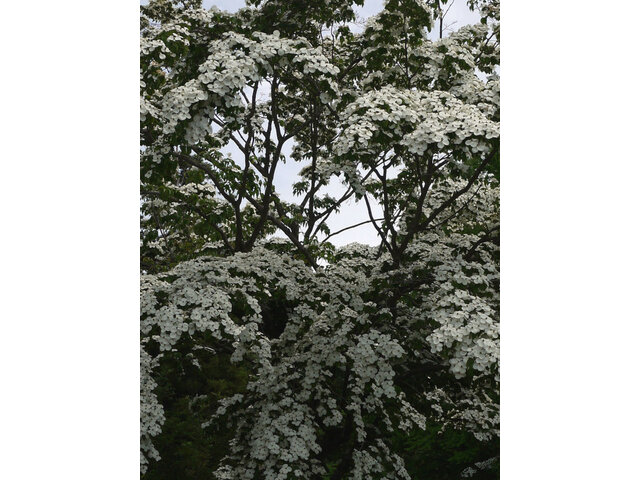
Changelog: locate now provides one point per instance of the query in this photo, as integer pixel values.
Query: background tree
(285, 356)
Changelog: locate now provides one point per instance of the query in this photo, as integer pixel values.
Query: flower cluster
(151, 412)
(416, 120)
(235, 62)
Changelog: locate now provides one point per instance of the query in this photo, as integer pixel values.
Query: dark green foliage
(190, 452)
(437, 454)
(302, 18)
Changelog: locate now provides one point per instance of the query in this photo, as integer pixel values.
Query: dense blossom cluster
(330, 332)
(415, 120)
(321, 339)
(235, 61)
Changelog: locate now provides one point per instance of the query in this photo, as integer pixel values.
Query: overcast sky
(352, 212)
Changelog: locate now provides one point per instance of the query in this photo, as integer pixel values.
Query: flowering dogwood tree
(340, 348)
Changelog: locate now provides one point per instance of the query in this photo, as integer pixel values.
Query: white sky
(352, 212)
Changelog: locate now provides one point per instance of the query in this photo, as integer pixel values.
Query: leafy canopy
(277, 353)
